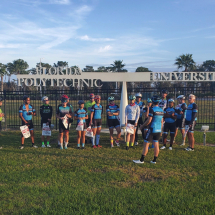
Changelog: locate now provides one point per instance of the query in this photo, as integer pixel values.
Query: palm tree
(186, 62)
(3, 72)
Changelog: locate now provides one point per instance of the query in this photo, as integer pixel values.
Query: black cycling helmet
(80, 102)
(164, 91)
(156, 99)
(1, 99)
(25, 97)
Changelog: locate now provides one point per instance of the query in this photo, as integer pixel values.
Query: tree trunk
(2, 86)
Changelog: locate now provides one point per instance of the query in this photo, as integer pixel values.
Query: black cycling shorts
(191, 129)
(113, 123)
(88, 122)
(169, 127)
(97, 123)
(179, 123)
(45, 121)
(62, 128)
(140, 121)
(152, 136)
(30, 124)
(132, 122)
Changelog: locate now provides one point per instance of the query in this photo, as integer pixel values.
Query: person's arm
(33, 111)
(148, 121)
(58, 114)
(41, 111)
(137, 115)
(183, 108)
(50, 114)
(22, 118)
(194, 113)
(86, 114)
(91, 115)
(76, 115)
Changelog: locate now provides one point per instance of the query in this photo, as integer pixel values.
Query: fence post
(56, 109)
(5, 116)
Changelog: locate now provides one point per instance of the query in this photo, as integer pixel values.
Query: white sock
(93, 140)
(65, 144)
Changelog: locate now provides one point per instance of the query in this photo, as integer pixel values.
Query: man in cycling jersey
(170, 116)
(96, 120)
(46, 115)
(64, 111)
(26, 111)
(132, 114)
(88, 105)
(140, 121)
(155, 126)
(112, 112)
(190, 121)
(180, 121)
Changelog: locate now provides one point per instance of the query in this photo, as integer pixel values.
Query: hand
(141, 127)
(126, 124)
(135, 125)
(68, 115)
(30, 113)
(172, 114)
(110, 114)
(47, 123)
(26, 122)
(61, 118)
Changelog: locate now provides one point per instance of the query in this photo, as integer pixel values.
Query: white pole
(123, 103)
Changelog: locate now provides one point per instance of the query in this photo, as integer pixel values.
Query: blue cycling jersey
(23, 110)
(98, 110)
(170, 110)
(191, 108)
(81, 113)
(141, 105)
(113, 109)
(181, 108)
(157, 115)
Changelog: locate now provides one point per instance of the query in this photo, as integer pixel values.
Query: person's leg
(172, 136)
(127, 140)
(164, 138)
(191, 139)
(98, 136)
(61, 140)
(48, 139)
(176, 132)
(78, 138)
(118, 129)
(183, 137)
(133, 138)
(42, 139)
(111, 136)
(156, 150)
(136, 135)
(22, 140)
(66, 139)
(32, 137)
(83, 138)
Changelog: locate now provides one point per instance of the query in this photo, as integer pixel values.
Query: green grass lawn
(105, 181)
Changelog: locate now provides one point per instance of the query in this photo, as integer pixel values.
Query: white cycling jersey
(162, 104)
(132, 112)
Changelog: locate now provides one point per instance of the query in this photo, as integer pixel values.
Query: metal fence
(13, 100)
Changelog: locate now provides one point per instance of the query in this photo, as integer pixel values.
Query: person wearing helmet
(81, 114)
(190, 121)
(170, 115)
(155, 120)
(163, 102)
(112, 112)
(132, 114)
(1, 113)
(26, 111)
(46, 115)
(180, 121)
(96, 121)
(140, 121)
(146, 115)
(63, 110)
(88, 105)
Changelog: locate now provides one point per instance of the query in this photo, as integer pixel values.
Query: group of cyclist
(160, 117)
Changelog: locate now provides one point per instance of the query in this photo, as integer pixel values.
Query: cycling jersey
(191, 112)
(170, 110)
(88, 105)
(142, 106)
(132, 112)
(157, 115)
(45, 112)
(113, 109)
(62, 111)
(181, 108)
(162, 104)
(23, 110)
(98, 110)
(81, 113)
(68, 104)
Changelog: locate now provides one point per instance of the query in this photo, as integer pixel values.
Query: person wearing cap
(190, 121)
(1, 113)
(140, 121)
(81, 114)
(112, 113)
(46, 115)
(88, 105)
(170, 115)
(96, 121)
(63, 110)
(146, 115)
(132, 114)
(180, 121)
(26, 112)
(155, 120)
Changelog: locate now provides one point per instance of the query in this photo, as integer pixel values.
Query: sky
(97, 32)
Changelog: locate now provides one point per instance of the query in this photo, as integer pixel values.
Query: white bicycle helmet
(138, 95)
